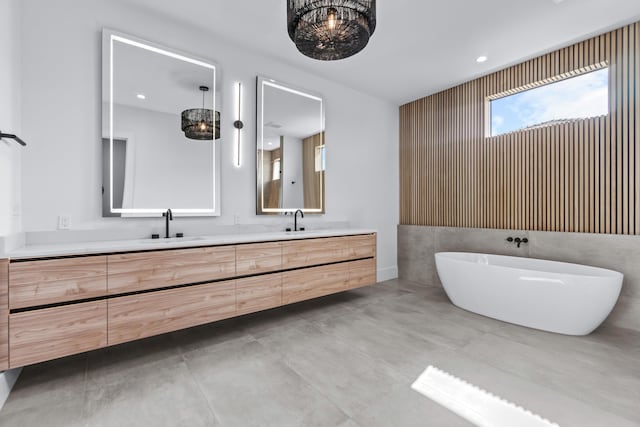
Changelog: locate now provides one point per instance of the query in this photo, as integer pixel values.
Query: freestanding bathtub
(553, 296)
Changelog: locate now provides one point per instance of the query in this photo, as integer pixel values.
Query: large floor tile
(599, 381)
(348, 376)
(544, 401)
(168, 396)
(404, 407)
(248, 385)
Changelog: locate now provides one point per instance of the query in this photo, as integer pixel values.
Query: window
(580, 97)
(275, 175)
(320, 158)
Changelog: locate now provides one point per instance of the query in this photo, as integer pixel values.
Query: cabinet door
(4, 314)
(258, 258)
(307, 283)
(158, 269)
(34, 283)
(362, 246)
(39, 335)
(362, 273)
(310, 252)
(258, 293)
(143, 315)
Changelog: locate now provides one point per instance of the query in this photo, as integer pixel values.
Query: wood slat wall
(581, 176)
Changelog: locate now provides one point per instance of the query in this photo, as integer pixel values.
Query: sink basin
(172, 240)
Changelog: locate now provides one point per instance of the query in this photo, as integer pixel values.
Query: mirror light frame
(261, 83)
(108, 38)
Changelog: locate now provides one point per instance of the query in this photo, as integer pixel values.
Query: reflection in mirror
(159, 125)
(290, 149)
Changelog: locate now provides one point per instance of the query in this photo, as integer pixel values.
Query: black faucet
(168, 217)
(295, 219)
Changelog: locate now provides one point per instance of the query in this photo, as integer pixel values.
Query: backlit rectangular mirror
(290, 149)
(159, 130)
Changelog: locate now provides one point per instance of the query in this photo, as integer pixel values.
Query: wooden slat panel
(157, 269)
(308, 252)
(39, 335)
(300, 285)
(144, 315)
(34, 283)
(258, 258)
(581, 176)
(362, 273)
(4, 314)
(258, 293)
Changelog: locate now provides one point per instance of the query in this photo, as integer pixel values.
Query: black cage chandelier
(197, 123)
(331, 29)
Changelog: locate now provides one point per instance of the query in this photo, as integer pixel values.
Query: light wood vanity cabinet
(4, 314)
(44, 282)
(258, 293)
(49, 333)
(258, 258)
(301, 253)
(62, 306)
(144, 315)
(304, 284)
(141, 271)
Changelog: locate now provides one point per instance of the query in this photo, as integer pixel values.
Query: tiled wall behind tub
(418, 244)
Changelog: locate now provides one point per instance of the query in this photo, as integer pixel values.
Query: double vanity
(58, 300)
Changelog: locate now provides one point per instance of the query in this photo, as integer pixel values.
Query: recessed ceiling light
(481, 59)
(141, 96)
(271, 143)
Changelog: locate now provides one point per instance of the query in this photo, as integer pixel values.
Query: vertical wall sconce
(238, 125)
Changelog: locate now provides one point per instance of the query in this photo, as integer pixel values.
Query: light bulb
(332, 18)
(203, 126)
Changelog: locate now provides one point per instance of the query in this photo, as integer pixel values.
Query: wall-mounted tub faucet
(518, 240)
(168, 217)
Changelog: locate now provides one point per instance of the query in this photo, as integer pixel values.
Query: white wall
(61, 98)
(10, 117)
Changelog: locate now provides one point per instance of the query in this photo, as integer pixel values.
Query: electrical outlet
(64, 223)
(236, 219)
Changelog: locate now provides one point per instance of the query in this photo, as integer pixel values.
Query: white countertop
(110, 246)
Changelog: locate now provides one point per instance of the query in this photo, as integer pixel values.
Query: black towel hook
(12, 136)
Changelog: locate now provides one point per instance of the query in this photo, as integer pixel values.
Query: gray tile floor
(344, 360)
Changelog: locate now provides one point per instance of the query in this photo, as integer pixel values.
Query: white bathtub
(553, 296)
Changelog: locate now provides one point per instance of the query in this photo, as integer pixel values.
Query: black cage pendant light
(331, 29)
(197, 123)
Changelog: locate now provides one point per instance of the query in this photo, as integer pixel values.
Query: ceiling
(419, 47)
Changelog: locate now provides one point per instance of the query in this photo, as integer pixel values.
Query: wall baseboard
(387, 273)
(7, 381)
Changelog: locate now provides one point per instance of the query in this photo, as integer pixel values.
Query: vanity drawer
(362, 246)
(158, 269)
(309, 252)
(34, 283)
(49, 333)
(4, 314)
(362, 273)
(144, 315)
(258, 258)
(258, 293)
(307, 283)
